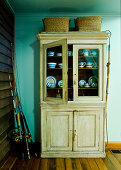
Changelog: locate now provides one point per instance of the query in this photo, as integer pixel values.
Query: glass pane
(54, 82)
(70, 72)
(88, 62)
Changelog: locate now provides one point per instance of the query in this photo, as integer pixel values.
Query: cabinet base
(73, 155)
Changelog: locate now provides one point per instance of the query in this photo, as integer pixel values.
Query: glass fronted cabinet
(72, 94)
(72, 72)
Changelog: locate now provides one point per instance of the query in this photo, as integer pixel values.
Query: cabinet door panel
(87, 72)
(86, 125)
(59, 131)
(55, 53)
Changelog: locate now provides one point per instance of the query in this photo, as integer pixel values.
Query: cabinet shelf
(57, 56)
(58, 88)
(54, 68)
(87, 88)
(81, 56)
(72, 68)
(88, 68)
(81, 88)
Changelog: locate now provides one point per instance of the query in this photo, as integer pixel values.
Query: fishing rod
(21, 121)
(14, 98)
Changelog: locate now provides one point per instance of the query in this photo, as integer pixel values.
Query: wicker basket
(89, 24)
(56, 24)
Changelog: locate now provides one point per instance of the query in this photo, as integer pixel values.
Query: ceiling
(66, 6)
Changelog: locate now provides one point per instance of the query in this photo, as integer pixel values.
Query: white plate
(51, 81)
(82, 83)
(60, 83)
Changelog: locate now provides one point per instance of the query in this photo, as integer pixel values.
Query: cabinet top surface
(73, 34)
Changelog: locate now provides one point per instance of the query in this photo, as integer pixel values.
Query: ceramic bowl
(51, 53)
(60, 65)
(51, 65)
(60, 83)
(59, 54)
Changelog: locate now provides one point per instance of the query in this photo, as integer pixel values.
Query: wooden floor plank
(35, 164)
(60, 165)
(78, 164)
(108, 163)
(118, 157)
(101, 164)
(85, 164)
(43, 164)
(10, 162)
(68, 163)
(52, 164)
(92, 163)
(114, 161)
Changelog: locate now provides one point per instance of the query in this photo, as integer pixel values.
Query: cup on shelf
(86, 85)
(50, 53)
(70, 53)
(89, 64)
(51, 65)
(60, 65)
(81, 64)
(59, 54)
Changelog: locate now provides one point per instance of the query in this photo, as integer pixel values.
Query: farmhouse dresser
(72, 93)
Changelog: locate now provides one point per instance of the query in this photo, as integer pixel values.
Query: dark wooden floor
(111, 161)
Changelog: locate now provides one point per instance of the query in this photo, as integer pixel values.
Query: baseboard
(113, 145)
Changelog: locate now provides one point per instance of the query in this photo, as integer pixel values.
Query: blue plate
(51, 81)
(82, 83)
(60, 83)
(93, 81)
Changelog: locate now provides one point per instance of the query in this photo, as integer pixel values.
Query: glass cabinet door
(87, 72)
(55, 71)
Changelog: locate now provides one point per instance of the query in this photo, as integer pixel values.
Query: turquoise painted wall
(27, 70)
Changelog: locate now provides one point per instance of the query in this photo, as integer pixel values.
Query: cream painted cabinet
(59, 131)
(72, 94)
(86, 130)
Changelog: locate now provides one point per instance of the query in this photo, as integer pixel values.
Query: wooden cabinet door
(86, 131)
(55, 78)
(59, 131)
(88, 72)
